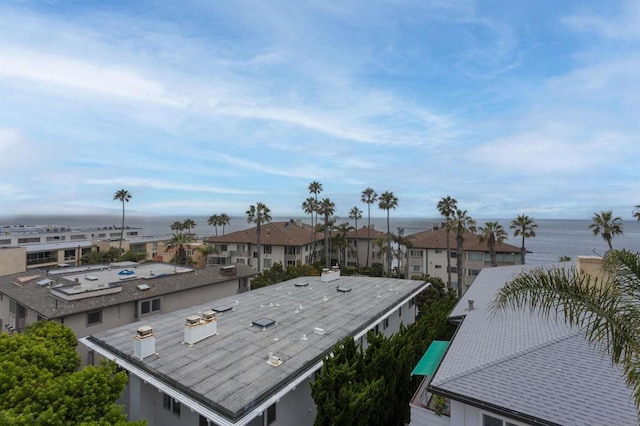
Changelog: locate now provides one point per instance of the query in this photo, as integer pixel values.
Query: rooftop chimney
(470, 305)
(144, 342)
(197, 328)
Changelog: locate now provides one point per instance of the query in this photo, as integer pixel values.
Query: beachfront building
(287, 243)
(249, 359)
(428, 255)
(517, 368)
(92, 298)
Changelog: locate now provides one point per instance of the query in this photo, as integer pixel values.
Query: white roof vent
(274, 360)
(144, 342)
(197, 328)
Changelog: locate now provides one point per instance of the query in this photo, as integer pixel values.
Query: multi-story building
(518, 368)
(249, 359)
(287, 243)
(360, 239)
(92, 298)
(428, 255)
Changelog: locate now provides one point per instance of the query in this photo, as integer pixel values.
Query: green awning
(431, 358)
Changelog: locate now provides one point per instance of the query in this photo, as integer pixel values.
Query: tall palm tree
(368, 196)
(523, 226)
(402, 241)
(177, 226)
(124, 196)
(189, 224)
(327, 208)
(462, 223)
(447, 207)
(388, 201)
(355, 213)
(492, 233)
(224, 221)
(258, 214)
(214, 220)
(341, 243)
(179, 240)
(636, 212)
(606, 225)
(309, 206)
(608, 311)
(315, 188)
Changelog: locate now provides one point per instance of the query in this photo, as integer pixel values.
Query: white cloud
(133, 182)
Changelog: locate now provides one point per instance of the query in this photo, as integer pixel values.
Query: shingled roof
(528, 367)
(289, 233)
(437, 239)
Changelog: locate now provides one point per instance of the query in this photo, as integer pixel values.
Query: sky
(202, 107)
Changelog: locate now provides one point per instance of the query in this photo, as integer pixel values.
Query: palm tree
(606, 225)
(524, 226)
(447, 207)
(462, 224)
(492, 233)
(205, 250)
(369, 196)
(309, 206)
(224, 221)
(340, 241)
(177, 226)
(608, 311)
(387, 202)
(636, 212)
(401, 241)
(315, 188)
(214, 220)
(355, 213)
(258, 214)
(189, 224)
(327, 208)
(179, 240)
(124, 196)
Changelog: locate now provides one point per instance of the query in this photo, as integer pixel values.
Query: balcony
(428, 409)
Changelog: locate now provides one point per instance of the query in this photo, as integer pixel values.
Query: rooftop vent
(228, 271)
(144, 342)
(263, 322)
(343, 289)
(305, 284)
(329, 275)
(274, 360)
(318, 331)
(470, 305)
(142, 287)
(45, 282)
(197, 328)
(221, 309)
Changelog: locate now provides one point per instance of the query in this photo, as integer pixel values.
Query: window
(416, 268)
(473, 272)
(415, 253)
(94, 317)
(400, 311)
(267, 263)
(453, 254)
(438, 266)
(494, 420)
(241, 247)
(90, 357)
(438, 251)
(266, 249)
(271, 414)
(78, 237)
(291, 263)
(292, 250)
(222, 247)
(69, 254)
(412, 302)
(150, 306)
(475, 256)
(241, 261)
(385, 323)
(28, 240)
(171, 404)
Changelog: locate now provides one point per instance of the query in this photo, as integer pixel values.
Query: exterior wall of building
(13, 260)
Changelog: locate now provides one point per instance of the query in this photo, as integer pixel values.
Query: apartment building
(288, 243)
(358, 241)
(428, 255)
(92, 298)
(518, 368)
(248, 359)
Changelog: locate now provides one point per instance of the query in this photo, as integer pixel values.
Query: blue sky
(201, 107)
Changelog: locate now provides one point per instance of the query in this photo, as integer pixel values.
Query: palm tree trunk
(258, 241)
(492, 254)
(122, 229)
(357, 254)
(523, 251)
(388, 246)
(448, 258)
(460, 243)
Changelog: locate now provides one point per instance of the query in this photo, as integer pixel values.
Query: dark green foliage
(277, 274)
(374, 386)
(40, 384)
(376, 270)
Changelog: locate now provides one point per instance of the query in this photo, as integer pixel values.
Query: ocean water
(554, 238)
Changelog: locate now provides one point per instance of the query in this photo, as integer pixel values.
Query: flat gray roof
(229, 372)
(162, 278)
(530, 366)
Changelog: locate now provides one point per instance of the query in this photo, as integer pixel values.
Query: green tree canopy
(40, 383)
(277, 274)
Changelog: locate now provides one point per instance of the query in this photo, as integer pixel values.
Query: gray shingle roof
(524, 363)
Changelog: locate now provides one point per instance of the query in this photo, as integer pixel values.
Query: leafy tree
(92, 258)
(608, 226)
(368, 196)
(636, 212)
(356, 214)
(326, 208)
(112, 254)
(492, 233)
(388, 201)
(523, 226)
(607, 309)
(341, 243)
(376, 269)
(564, 258)
(462, 223)
(132, 256)
(124, 196)
(40, 383)
(214, 220)
(447, 206)
(205, 250)
(258, 214)
(315, 188)
(277, 274)
(179, 240)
